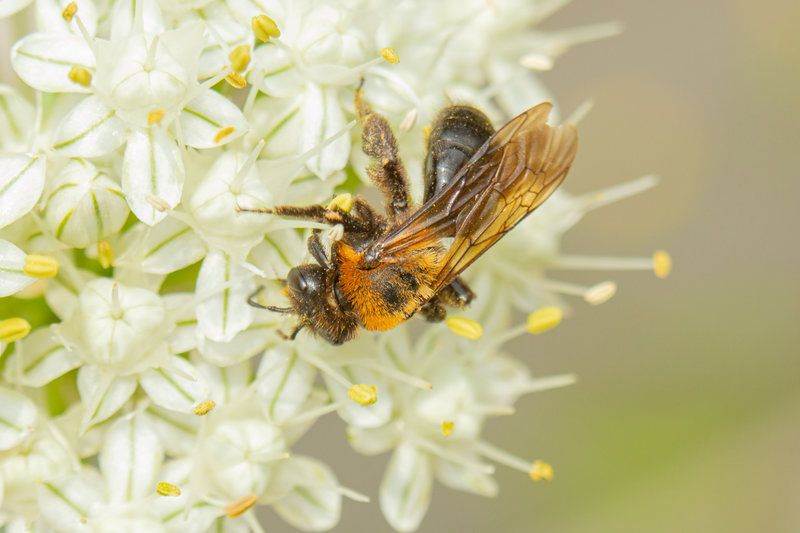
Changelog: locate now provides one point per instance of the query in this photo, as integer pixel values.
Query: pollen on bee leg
(105, 253)
(157, 202)
(40, 266)
(222, 133)
(363, 394)
(167, 489)
(343, 201)
(69, 11)
(464, 327)
(543, 319)
(204, 408)
(241, 506)
(80, 75)
(155, 116)
(13, 329)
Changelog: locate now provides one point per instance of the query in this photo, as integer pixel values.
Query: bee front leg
(317, 251)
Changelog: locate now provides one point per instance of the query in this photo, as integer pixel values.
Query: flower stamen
(105, 253)
(204, 408)
(167, 489)
(447, 427)
(40, 266)
(69, 11)
(235, 80)
(363, 394)
(80, 75)
(390, 55)
(222, 133)
(13, 329)
(464, 327)
(154, 117)
(264, 28)
(544, 319)
(240, 57)
(241, 506)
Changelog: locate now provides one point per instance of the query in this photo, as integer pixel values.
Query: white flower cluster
(155, 398)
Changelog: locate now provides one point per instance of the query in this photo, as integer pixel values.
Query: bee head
(305, 281)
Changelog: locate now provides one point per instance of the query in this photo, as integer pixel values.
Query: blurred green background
(686, 415)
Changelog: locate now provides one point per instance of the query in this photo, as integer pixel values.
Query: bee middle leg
(387, 173)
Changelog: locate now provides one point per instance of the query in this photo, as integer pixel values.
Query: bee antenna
(251, 300)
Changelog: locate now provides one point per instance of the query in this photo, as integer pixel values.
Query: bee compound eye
(296, 281)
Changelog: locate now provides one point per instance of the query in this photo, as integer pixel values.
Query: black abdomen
(457, 133)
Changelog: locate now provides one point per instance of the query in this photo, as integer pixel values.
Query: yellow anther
(543, 319)
(236, 80)
(390, 55)
(240, 57)
(69, 11)
(154, 117)
(447, 427)
(204, 408)
(465, 327)
(363, 394)
(239, 507)
(167, 489)
(600, 293)
(343, 201)
(80, 75)
(40, 266)
(13, 329)
(105, 253)
(224, 132)
(541, 471)
(662, 264)
(264, 27)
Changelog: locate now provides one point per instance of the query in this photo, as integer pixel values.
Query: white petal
(12, 277)
(21, 184)
(178, 386)
(222, 289)
(43, 61)
(123, 14)
(41, 358)
(177, 431)
(286, 383)
(226, 382)
(49, 19)
(281, 251)
(322, 118)
(312, 503)
(91, 129)
(152, 168)
(17, 117)
(102, 394)
(130, 459)
(203, 118)
(169, 246)
(405, 491)
(243, 346)
(278, 122)
(373, 441)
(17, 414)
(180, 311)
(66, 502)
(457, 477)
(9, 7)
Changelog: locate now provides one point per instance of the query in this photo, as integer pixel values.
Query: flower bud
(84, 205)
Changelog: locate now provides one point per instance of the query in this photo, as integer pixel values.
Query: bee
(479, 183)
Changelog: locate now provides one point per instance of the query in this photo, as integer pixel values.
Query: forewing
(531, 164)
(439, 217)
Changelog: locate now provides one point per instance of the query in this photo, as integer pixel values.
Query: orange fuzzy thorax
(393, 290)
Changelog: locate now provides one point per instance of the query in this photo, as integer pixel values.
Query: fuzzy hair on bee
(479, 183)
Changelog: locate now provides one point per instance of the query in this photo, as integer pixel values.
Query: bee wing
(510, 176)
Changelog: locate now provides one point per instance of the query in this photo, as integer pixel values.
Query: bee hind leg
(433, 310)
(456, 294)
